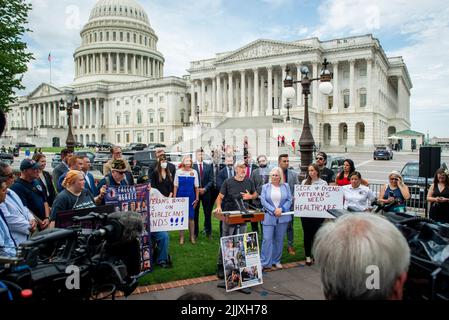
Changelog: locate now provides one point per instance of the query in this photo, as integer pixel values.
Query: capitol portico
(124, 97)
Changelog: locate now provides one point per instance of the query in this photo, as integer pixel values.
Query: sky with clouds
(198, 29)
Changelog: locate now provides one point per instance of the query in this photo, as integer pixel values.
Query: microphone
(239, 200)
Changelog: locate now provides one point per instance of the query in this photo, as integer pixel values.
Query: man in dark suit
(90, 181)
(205, 178)
(226, 172)
(250, 167)
(62, 167)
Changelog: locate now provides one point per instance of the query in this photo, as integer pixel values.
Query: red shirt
(343, 182)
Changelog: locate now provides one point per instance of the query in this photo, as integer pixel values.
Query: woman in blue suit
(276, 198)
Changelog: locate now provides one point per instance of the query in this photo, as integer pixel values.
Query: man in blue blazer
(227, 172)
(90, 181)
(206, 183)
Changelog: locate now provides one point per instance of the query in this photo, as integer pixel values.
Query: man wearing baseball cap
(31, 193)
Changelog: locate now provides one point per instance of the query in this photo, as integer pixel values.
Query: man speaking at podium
(233, 193)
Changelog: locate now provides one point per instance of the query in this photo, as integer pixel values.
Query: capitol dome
(118, 45)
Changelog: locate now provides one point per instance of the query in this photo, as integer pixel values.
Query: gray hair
(349, 249)
(279, 172)
(239, 163)
(132, 223)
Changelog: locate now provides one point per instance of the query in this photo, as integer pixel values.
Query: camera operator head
(361, 257)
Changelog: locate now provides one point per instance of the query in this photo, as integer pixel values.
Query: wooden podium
(237, 217)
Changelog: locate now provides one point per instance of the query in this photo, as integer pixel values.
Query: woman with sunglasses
(438, 196)
(117, 176)
(394, 194)
(276, 198)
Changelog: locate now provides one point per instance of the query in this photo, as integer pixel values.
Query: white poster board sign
(313, 201)
(168, 214)
(241, 261)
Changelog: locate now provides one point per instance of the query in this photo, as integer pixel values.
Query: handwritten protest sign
(313, 201)
(169, 214)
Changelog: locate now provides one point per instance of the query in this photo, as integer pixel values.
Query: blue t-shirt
(109, 181)
(32, 196)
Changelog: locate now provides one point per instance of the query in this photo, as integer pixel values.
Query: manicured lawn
(200, 259)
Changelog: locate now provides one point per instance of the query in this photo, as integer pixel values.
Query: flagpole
(49, 60)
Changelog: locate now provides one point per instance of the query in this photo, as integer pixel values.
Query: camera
(76, 263)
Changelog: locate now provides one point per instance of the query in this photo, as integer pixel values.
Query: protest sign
(313, 201)
(169, 214)
(134, 198)
(241, 261)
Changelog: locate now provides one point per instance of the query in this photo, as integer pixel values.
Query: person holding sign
(186, 185)
(357, 198)
(310, 226)
(276, 198)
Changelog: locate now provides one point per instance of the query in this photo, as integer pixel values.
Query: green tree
(13, 51)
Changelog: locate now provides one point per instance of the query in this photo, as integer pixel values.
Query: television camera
(76, 263)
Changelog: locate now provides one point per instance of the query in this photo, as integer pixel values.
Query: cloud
(418, 28)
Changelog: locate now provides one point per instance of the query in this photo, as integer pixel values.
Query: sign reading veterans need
(169, 214)
(313, 201)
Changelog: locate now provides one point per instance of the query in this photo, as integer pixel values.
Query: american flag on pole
(49, 57)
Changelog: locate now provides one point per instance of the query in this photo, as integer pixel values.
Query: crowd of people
(31, 202)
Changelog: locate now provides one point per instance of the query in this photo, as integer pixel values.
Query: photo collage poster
(134, 198)
(241, 261)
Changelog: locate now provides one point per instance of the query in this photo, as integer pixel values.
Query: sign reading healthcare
(313, 201)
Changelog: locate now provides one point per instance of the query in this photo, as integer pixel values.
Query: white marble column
(44, 109)
(85, 117)
(276, 89)
(91, 113)
(94, 64)
(202, 95)
(214, 95)
(224, 94)
(126, 64)
(192, 99)
(369, 69)
(269, 111)
(262, 99)
(351, 134)
(109, 63)
(117, 62)
(97, 114)
(133, 64)
(316, 99)
(249, 95)
(141, 66)
(161, 66)
(242, 94)
(298, 85)
(219, 105)
(352, 102)
(256, 107)
(230, 95)
(336, 90)
(153, 74)
(283, 99)
(335, 134)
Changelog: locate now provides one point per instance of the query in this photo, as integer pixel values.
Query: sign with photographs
(134, 198)
(313, 201)
(241, 261)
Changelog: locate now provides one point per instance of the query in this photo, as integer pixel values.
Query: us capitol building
(124, 96)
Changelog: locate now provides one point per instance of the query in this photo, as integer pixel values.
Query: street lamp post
(306, 142)
(69, 107)
(288, 106)
(197, 111)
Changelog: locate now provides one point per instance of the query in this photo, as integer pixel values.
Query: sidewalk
(295, 282)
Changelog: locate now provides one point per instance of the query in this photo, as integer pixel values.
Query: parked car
(100, 159)
(79, 145)
(335, 163)
(6, 158)
(137, 146)
(56, 160)
(143, 161)
(91, 144)
(155, 145)
(104, 146)
(25, 145)
(383, 152)
(415, 183)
